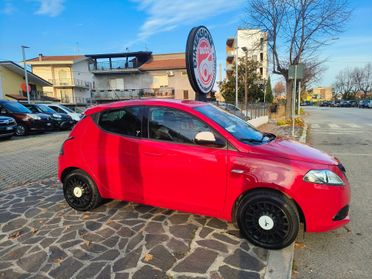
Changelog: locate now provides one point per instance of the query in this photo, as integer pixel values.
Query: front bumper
(6, 131)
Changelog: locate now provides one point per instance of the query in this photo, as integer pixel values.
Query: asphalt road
(29, 158)
(346, 252)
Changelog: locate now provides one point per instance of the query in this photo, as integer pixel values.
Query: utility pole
(294, 98)
(299, 98)
(236, 77)
(246, 79)
(26, 78)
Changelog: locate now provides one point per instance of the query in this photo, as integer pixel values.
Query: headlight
(55, 115)
(34, 116)
(323, 177)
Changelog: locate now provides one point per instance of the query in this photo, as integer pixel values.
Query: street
(346, 252)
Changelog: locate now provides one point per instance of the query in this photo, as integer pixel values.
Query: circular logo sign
(201, 60)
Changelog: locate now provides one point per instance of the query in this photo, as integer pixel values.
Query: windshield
(15, 107)
(237, 127)
(46, 109)
(67, 109)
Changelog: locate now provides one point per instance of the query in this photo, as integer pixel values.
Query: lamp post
(26, 78)
(236, 77)
(246, 79)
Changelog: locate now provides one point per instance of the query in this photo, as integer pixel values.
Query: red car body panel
(199, 179)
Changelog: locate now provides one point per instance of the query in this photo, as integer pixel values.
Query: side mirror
(208, 139)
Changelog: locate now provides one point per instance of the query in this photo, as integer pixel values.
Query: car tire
(80, 191)
(268, 219)
(21, 130)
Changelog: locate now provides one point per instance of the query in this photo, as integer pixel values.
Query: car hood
(294, 150)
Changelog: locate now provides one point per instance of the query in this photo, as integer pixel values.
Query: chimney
(40, 57)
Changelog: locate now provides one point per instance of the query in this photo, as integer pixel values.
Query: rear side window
(124, 121)
(57, 109)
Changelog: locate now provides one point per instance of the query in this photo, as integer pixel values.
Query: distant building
(13, 86)
(321, 93)
(256, 43)
(69, 75)
(120, 76)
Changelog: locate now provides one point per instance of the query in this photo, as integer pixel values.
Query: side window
(124, 121)
(33, 109)
(57, 109)
(174, 125)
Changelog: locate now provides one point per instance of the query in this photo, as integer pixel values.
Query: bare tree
(362, 78)
(296, 30)
(344, 84)
(279, 88)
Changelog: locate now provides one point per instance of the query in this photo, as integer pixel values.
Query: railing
(75, 100)
(115, 65)
(71, 82)
(106, 94)
(254, 110)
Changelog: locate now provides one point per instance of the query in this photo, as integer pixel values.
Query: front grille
(342, 213)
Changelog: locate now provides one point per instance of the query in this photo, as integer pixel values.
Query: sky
(65, 27)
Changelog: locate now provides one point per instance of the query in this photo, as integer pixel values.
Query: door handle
(238, 171)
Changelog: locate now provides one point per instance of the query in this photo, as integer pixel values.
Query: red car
(195, 157)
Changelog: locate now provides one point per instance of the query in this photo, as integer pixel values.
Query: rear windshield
(15, 107)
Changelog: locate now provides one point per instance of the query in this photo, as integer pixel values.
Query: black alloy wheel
(268, 219)
(80, 191)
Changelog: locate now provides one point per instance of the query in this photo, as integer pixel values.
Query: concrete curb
(279, 263)
(304, 134)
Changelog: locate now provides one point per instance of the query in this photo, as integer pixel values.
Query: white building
(256, 43)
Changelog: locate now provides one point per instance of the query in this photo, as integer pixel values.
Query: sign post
(295, 72)
(201, 61)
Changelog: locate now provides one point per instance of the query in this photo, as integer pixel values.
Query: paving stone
(111, 242)
(46, 242)
(125, 232)
(56, 253)
(122, 243)
(193, 262)
(81, 255)
(148, 272)
(261, 253)
(122, 275)
(159, 218)
(205, 232)
(178, 219)
(92, 226)
(213, 244)
(134, 241)
(178, 248)
(106, 232)
(225, 238)
(228, 272)
(32, 263)
(242, 260)
(183, 231)
(33, 240)
(67, 269)
(161, 258)
(128, 261)
(217, 224)
(93, 247)
(71, 243)
(15, 253)
(4, 265)
(105, 273)
(56, 232)
(109, 255)
(154, 239)
(153, 227)
(9, 274)
(90, 271)
(93, 237)
(14, 224)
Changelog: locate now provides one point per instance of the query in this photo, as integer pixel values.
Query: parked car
(363, 103)
(353, 103)
(61, 121)
(325, 104)
(192, 156)
(370, 104)
(8, 127)
(62, 109)
(26, 120)
(335, 104)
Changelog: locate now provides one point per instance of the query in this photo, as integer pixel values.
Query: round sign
(201, 60)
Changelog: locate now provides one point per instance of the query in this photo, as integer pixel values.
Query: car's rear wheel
(268, 219)
(21, 130)
(80, 191)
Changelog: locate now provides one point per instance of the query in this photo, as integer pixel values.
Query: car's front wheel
(268, 219)
(80, 191)
(21, 130)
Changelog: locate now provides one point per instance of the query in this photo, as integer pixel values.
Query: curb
(279, 263)
(304, 134)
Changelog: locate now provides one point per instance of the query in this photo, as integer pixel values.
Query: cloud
(50, 8)
(8, 7)
(164, 15)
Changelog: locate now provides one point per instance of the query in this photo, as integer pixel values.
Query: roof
(56, 58)
(164, 64)
(24, 98)
(120, 54)
(143, 102)
(32, 78)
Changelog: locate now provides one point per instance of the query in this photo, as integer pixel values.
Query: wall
(10, 81)
(46, 73)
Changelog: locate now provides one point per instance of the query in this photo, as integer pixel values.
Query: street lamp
(236, 77)
(246, 78)
(26, 78)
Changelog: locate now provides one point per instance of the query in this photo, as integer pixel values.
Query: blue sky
(62, 27)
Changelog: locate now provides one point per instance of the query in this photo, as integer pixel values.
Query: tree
(345, 85)
(362, 78)
(296, 30)
(269, 92)
(227, 87)
(279, 88)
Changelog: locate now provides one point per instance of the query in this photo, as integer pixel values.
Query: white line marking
(352, 125)
(333, 126)
(315, 126)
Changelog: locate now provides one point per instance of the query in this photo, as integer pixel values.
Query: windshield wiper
(251, 140)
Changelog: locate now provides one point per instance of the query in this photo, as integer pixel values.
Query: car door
(112, 152)
(176, 172)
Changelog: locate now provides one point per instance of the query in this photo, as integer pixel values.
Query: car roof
(145, 102)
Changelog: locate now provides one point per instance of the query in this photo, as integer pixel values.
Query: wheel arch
(250, 191)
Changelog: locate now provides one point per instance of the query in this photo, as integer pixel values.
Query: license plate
(9, 128)
(49, 124)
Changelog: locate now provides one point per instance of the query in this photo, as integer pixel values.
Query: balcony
(126, 94)
(117, 66)
(71, 82)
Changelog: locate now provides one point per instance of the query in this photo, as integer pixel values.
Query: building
(321, 93)
(13, 86)
(119, 76)
(256, 43)
(69, 75)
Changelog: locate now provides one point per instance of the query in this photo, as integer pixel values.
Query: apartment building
(120, 76)
(69, 75)
(255, 41)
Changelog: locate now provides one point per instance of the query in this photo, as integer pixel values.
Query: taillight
(61, 151)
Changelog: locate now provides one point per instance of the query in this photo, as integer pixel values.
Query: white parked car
(63, 109)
